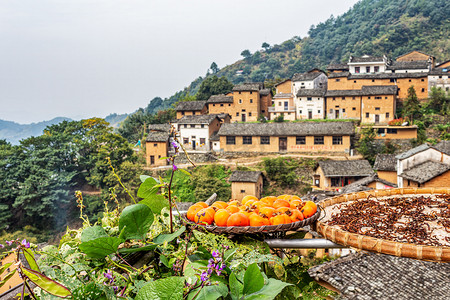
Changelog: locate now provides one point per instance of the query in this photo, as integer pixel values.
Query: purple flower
(215, 254)
(108, 274)
(174, 167)
(174, 145)
(2, 246)
(9, 243)
(204, 276)
(25, 243)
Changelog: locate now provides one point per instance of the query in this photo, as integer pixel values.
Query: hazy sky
(84, 58)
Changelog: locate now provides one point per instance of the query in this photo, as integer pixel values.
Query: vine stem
(186, 250)
(170, 198)
(29, 288)
(120, 181)
(133, 268)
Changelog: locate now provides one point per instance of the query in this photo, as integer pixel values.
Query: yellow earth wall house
(286, 137)
(15, 279)
(378, 109)
(246, 183)
(415, 56)
(343, 107)
(221, 104)
(337, 174)
(419, 84)
(191, 108)
(386, 132)
(181, 114)
(247, 106)
(154, 151)
(284, 87)
(390, 176)
(283, 105)
(266, 101)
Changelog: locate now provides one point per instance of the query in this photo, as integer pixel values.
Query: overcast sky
(85, 58)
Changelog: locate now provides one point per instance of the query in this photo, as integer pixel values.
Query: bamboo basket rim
(254, 229)
(363, 242)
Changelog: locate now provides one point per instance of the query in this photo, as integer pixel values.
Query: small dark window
(185, 126)
(423, 90)
(334, 98)
(231, 140)
(373, 80)
(381, 130)
(354, 81)
(247, 140)
(353, 108)
(318, 140)
(422, 79)
(251, 92)
(182, 113)
(376, 69)
(202, 141)
(221, 104)
(229, 104)
(367, 115)
(152, 160)
(337, 80)
(377, 108)
(237, 114)
(202, 126)
(392, 80)
(265, 140)
(192, 125)
(300, 140)
(214, 105)
(343, 98)
(343, 110)
(337, 140)
(155, 145)
(251, 100)
(387, 115)
(354, 98)
(410, 80)
(249, 114)
(369, 97)
(242, 191)
(185, 141)
(392, 130)
(368, 70)
(309, 98)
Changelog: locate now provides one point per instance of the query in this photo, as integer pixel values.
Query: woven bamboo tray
(254, 229)
(368, 243)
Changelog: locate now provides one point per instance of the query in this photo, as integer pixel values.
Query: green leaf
(235, 287)
(160, 239)
(164, 260)
(253, 279)
(170, 288)
(29, 256)
(138, 249)
(101, 247)
(135, 221)
(162, 158)
(147, 188)
(269, 291)
(92, 233)
(212, 292)
(45, 283)
(7, 277)
(185, 172)
(156, 203)
(143, 177)
(4, 267)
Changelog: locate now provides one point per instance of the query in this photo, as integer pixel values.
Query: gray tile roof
(366, 58)
(339, 74)
(443, 146)
(311, 93)
(245, 176)
(441, 63)
(220, 99)
(415, 51)
(338, 67)
(190, 105)
(214, 137)
(201, 119)
(379, 90)
(354, 168)
(306, 76)
(367, 276)
(408, 65)
(250, 86)
(283, 95)
(159, 127)
(287, 129)
(425, 171)
(157, 136)
(385, 162)
(362, 184)
(388, 75)
(338, 93)
(265, 92)
(412, 151)
(437, 72)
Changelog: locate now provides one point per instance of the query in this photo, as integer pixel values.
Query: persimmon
(203, 204)
(234, 203)
(312, 204)
(284, 210)
(205, 216)
(280, 219)
(256, 220)
(308, 209)
(296, 203)
(258, 205)
(232, 209)
(282, 196)
(221, 217)
(219, 205)
(247, 198)
(193, 209)
(268, 200)
(281, 203)
(248, 203)
(296, 215)
(238, 219)
(267, 212)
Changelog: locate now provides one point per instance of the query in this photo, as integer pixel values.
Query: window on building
(368, 97)
(337, 140)
(367, 69)
(182, 113)
(247, 140)
(231, 140)
(343, 110)
(229, 104)
(380, 131)
(185, 141)
(392, 130)
(357, 70)
(300, 111)
(353, 108)
(243, 110)
(242, 191)
(249, 114)
(155, 145)
(354, 81)
(422, 79)
(385, 97)
(251, 92)
(318, 111)
(309, 98)
(152, 159)
(240, 101)
(263, 111)
(192, 125)
(423, 90)
(303, 83)
(214, 105)
(377, 108)
(300, 140)
(367, 115)
(159, 156)
(239, 93)
(185, 126)
(221, 104)
(279, 103)
(251, 100)
(410, 80)
(387, 115)
(237, 114)
(376, 69)
(318, 140)
(334, 98)
(202, 126)
(354, 98)
(265, 140)
(202, 141)
(343, 98)
(392, 80)
(335, 181)
(378, 97)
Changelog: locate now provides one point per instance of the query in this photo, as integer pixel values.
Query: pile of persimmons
(252, 211)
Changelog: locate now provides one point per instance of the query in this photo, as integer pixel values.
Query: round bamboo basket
(254, 229)
(368, 243)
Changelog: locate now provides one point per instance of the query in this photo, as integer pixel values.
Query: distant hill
(373, 27)
(14, 132)
(114, 119)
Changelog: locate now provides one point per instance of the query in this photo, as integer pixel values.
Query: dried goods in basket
(409, 222)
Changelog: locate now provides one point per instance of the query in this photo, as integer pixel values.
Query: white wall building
(310, 104)
(195, 131)
(367, 64)
(283, 104)
(311, 80)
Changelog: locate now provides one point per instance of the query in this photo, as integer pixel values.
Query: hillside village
(365, 92)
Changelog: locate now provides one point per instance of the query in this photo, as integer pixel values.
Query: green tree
(214, 68)
(213, 86)
(246, 54)
(439, 101)
(266, 46)
(366, 144)
(411, 107)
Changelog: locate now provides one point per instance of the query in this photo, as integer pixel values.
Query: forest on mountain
(373, 27)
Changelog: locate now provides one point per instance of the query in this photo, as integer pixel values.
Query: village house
(378, 104)
(443, 65)
(283, 105)
(424, 166)
(191, 108)
(246, 183)
(417, 56)
(195, 131)
(343, 104)
(314, 79)
(372, 182)
(439, 78)
(286, 137)
(220, 104)
(367, 64)
(386, 167)
(335, 174)
(157, 144)
(284, 87)
(310, 104)
(337, 68)
(391, 132)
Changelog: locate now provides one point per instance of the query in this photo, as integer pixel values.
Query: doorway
(377, 119)
(310, 114)
(282, 144)
(243, 117)
(336, 113)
